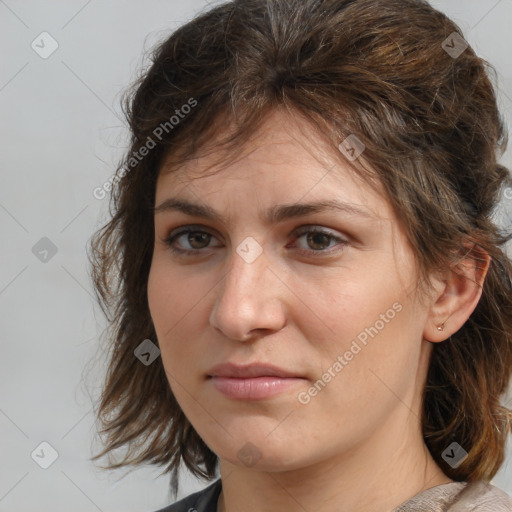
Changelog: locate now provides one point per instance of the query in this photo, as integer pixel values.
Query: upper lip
(248, 371)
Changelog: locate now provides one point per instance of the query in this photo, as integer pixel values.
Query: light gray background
(61, 136)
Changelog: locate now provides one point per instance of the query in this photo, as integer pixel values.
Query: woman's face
(334, 313)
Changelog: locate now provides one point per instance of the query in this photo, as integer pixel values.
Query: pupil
(314, 238)
(194, 236)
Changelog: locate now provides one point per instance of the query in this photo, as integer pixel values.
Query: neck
(375, 477)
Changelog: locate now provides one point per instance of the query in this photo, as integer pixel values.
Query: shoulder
(201, 501)
(478, 496)
(482, 496)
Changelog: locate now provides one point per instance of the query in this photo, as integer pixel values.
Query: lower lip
(255, 388)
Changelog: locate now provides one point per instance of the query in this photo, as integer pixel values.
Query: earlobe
(458, 294)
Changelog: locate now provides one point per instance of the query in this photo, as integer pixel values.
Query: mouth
(252, 382)
(253, 370)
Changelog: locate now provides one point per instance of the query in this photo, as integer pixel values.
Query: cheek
(369, 319)
(379, 367)
(177, 307)
(160, 297)
(170, 295)
(363, 301)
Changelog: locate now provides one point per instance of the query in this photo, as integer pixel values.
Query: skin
(357, 444)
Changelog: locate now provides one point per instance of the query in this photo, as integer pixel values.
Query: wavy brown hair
(433, 134)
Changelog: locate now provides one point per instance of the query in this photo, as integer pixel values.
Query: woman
(307, 294)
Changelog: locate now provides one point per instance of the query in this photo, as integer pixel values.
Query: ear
(456, 293)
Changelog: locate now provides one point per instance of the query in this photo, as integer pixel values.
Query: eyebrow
(273, 215)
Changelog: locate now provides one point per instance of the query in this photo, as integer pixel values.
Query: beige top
(452, 497)
(459, 497)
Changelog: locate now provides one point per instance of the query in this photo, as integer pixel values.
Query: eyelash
(170, 239)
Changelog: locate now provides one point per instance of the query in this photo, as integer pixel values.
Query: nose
(249, 300)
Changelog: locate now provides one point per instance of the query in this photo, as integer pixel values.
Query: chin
(264, 459)
(258, 451)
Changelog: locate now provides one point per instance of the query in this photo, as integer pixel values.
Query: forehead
(286, 148)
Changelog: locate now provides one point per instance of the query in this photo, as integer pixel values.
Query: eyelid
(315, 228)
(190, 227)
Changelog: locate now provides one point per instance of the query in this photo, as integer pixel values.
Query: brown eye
(318, 240)
(198, 239)
(189, 241)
